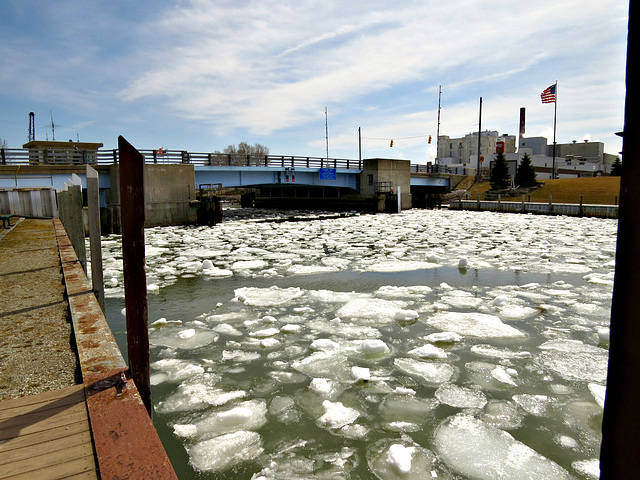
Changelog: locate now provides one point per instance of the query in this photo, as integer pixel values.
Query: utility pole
(326, 130)
(479, 137)
(438, 127)
(359, 144)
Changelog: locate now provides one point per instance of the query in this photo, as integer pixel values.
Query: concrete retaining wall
(569, 209)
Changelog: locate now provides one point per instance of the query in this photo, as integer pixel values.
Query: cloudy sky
(199, 75)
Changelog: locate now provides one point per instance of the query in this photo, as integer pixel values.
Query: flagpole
(555, 113)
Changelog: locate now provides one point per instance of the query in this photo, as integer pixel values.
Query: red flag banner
(549, 94)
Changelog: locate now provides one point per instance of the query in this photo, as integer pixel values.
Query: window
(370, 179)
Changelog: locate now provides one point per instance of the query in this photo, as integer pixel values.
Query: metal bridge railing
(57, 156)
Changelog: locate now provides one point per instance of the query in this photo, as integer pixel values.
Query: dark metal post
(620, 450)
(135, 280)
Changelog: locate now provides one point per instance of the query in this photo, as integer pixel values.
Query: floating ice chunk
(373, 310)
(197, 396)
(269, 343)
(460, 397)
(443, 337)
(249, 415)
(185, 339)
(323, 386)
(500, 300)
(428, 351)
(373, 347)
(463, 263)
(598, 392)
(399, 458)
(461, 299)
(225, 451)
(518, 312)
(226, 329)
(589, 468)
(411, 291)
(461, 440)
(502, 415)
(537, 405)
(267, 332)
(152, 287)
(344, 329)
(360, 373)
(310, 269)
(405, 315)
(474, 325)
(484, 350)
(336, 415)
(185, 430)
(185, 334)
(397, 461)
(248, 264)
(208, 269)
(400, 266)
(291, 328)
(428, 372)
(324, 344)
(503, 376)
(574, 360)
(327, 364)
(604, 334)
(267, 297)
(177, 370)
(240, 355)
(112, 282)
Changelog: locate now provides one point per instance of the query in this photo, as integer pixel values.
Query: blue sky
(199, 75)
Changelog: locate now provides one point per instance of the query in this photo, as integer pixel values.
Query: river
(377, 346)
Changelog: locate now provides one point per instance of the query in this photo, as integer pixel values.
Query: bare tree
(3, 143)
(256, 152)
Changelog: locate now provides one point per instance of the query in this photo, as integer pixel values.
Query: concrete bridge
(174, 177)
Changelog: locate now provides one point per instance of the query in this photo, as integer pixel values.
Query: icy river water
(422, 345)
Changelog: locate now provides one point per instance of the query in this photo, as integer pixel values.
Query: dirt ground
(36, 353)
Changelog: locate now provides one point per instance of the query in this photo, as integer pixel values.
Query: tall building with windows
(465, 149)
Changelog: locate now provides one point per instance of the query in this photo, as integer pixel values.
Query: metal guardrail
(50, 156)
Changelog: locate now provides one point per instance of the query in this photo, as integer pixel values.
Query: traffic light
(429, 139)
(391, 144)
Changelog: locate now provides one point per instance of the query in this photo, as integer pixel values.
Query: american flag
(549, 94)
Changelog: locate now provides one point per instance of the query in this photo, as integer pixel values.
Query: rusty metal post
(620, 450)
(93, 211)
(135, 280)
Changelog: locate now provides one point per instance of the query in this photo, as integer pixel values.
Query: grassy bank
(594, 190)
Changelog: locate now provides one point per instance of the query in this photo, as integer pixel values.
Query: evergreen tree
(525, 175)
(616, 168)
(499, 178)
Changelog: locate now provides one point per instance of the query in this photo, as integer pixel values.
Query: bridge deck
(46, 436)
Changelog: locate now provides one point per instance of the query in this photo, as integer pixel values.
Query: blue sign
(328, 174)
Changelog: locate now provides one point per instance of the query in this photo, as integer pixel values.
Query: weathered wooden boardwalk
(46, 437)
(98, 428)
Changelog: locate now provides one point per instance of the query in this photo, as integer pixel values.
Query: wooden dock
(47, 436)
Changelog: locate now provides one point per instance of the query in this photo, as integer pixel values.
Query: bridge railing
(58, 156)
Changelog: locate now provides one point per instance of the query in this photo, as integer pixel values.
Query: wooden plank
(43, 437)
(40, 421)
(30, 450)
(47, 437)
(43, 397)
(52, 406)
(52, 461)
(58, 472)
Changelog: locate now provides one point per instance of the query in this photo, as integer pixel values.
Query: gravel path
(36, 344)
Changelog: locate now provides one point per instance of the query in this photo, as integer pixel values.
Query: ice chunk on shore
(474, 325)
(462, 440)
(225, 451)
